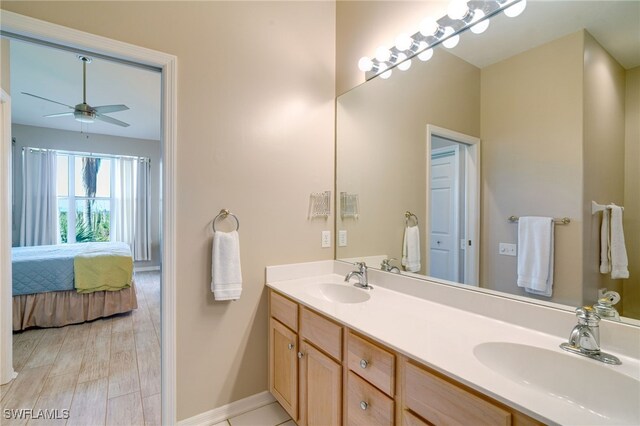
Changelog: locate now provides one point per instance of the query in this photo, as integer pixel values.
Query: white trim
(145, 268)
(472, 203)
(6, 333)
(52, 33)
(232, 409)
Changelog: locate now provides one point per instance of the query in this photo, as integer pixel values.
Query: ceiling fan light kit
(84, 112)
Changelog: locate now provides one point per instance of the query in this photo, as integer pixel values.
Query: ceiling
(615, 24)
(57, 75)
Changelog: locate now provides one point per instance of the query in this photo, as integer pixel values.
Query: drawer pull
(364, 363)
(364, 405)
(290, 346)
(300, 355)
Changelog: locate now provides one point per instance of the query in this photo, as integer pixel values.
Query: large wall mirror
(538, 116)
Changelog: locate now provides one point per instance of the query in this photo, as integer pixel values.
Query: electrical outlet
(506, 249)
(342, 238)
(326, 239)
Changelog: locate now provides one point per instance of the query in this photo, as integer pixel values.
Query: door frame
(449, 151)
(20, 26)
(472, 200)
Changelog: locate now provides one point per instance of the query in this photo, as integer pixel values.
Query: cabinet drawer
(284, 310)
(371, 362)
(322, 332)
(443, 403)
(409, 419)
(366, 405)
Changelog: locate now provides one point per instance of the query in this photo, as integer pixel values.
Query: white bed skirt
(60, 308)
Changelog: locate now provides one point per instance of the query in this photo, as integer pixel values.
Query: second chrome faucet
(361, 273)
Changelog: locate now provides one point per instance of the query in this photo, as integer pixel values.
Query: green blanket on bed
(103, 266)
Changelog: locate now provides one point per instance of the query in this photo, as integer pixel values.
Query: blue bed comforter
(41, 269)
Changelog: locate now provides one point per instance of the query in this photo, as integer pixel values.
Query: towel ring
(407, 217)
(224, 213)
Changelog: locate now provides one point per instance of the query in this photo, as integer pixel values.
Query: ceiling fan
(84, 112)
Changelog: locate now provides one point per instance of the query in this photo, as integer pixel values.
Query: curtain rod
(86, 154)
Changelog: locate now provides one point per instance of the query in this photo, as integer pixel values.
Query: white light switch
(342, 238)
(507, 249)
(326, 239)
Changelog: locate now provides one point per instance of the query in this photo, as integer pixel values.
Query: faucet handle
(361, 265)
(587, 315)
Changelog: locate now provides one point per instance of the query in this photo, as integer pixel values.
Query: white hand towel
(535, 255)
(619, 261)
(226, 274)
(411, 249)
(605, 252)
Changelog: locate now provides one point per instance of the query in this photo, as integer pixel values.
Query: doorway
(453, 194)
(24, 28)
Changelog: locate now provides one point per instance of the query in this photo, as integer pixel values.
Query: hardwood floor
(104, 372)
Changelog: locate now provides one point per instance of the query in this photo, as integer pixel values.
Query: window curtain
(142, 225)
(39, 219)
(131, 216)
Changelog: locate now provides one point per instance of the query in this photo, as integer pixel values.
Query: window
(85, 197)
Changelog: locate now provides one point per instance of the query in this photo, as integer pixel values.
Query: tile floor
(269, 415)
(105, 372)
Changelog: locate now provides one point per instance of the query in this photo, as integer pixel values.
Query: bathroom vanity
(342, 355)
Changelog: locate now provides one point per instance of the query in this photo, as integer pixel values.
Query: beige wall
(40, 137)
(363, 26)
(603, 151)
(384, 160)
(631, 287)
(256, 85)
(5, 65)
(532, 159)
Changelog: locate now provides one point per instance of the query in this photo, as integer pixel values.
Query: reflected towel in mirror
(535, 255)
(411, 249)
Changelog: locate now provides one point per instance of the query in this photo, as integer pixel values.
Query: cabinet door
(320, 388)
(283, 366)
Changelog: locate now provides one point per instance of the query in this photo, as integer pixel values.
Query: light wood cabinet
(283, 366)
(324, 374)
(320, 388)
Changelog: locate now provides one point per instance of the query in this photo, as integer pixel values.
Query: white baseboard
(146, 268)
(232, 409)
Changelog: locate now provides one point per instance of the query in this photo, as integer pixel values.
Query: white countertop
(444, 338)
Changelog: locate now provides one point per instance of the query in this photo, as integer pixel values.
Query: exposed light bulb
(385, 75)
(382, 67)
(365, 64)
(480, 27)
(403, 63)
(451, 42)
(404, 42)
(457, 9)
(383, 54)
(425, 55)
(429, 27)
(516, 9)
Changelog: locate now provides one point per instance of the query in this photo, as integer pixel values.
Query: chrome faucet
(585, 337)
(361, 273)
(386, 266)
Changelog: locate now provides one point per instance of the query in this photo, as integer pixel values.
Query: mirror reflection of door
(452, 206)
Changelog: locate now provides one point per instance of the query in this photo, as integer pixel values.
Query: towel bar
(559, 221)
(224, 213)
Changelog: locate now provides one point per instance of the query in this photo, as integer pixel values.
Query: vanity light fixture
(461, 15)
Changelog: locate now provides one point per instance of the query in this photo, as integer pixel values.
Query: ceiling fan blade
(111, 120)
(60, 114)
(48, 100)
(110, 108)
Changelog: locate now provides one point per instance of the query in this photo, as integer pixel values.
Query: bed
(66, 284)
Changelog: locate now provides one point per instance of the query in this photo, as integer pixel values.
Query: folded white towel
(605, 252)
(411, 249)
(535, 255)
(226, 274)
(619, 261)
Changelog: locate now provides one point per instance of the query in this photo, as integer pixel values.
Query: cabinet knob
(364, 363)
(290, 346)
(300, 355)
(364, 405)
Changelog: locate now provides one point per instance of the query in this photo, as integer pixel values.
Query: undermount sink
(340, 293)
(585, 384)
